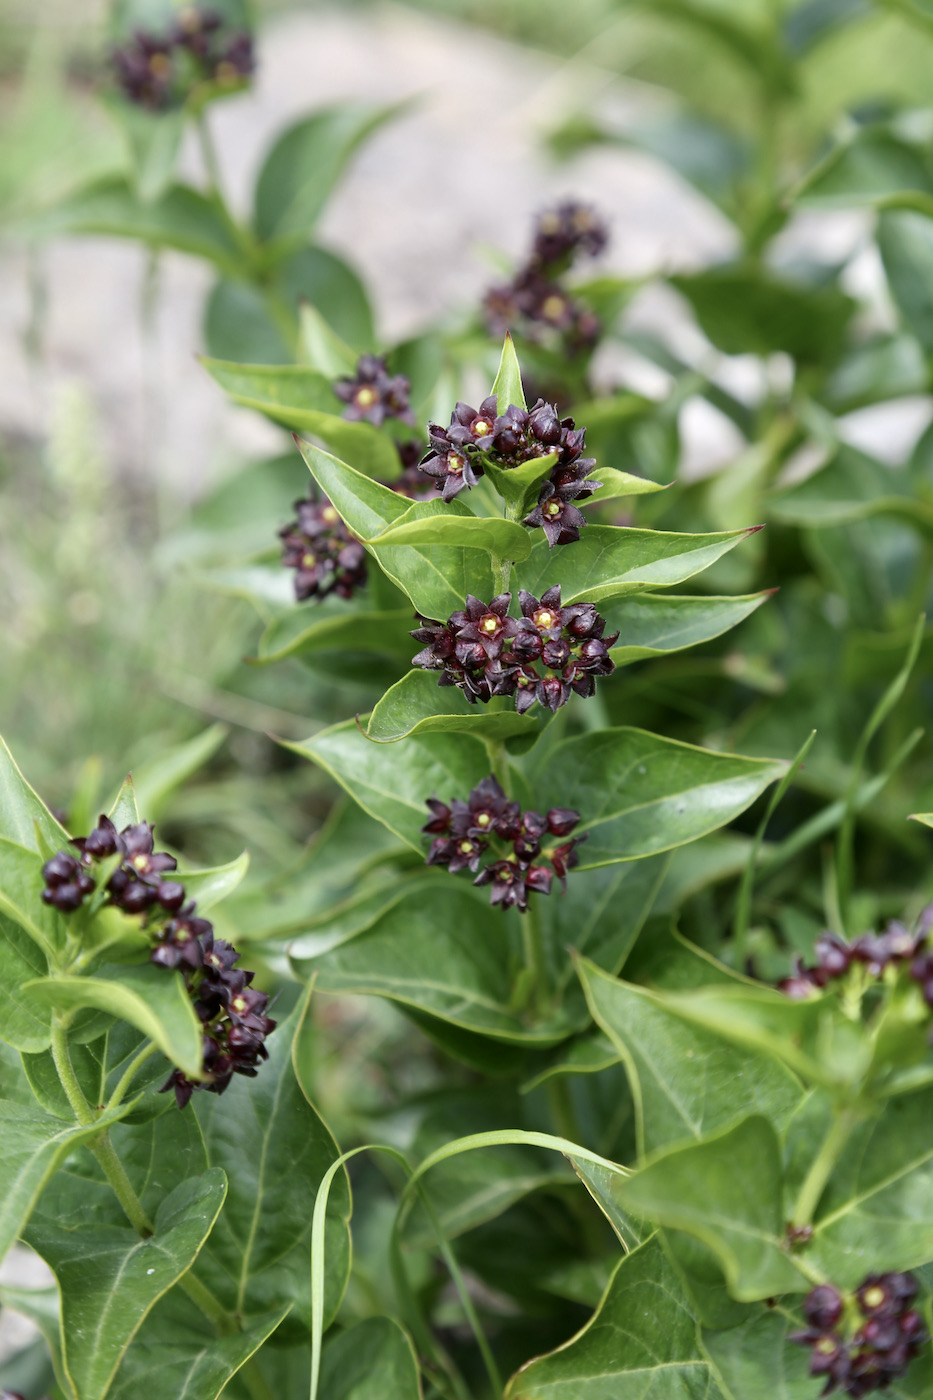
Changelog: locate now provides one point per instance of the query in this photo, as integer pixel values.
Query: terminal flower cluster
(372, 394)
(535, 302)
(897, 946)
(459, 454)
(231, 1011)
(160, 69)
(464, 832)
(325, 556)
(542, 656)
(863, 1343)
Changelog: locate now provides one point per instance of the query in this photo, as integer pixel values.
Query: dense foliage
(644, 1103)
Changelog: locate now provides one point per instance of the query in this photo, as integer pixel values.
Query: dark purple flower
(449, 465)
(373, 394)
(569, 229)
(66, 884)
(325, 556)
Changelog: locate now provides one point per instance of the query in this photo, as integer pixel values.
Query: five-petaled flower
(325, 556)
(372, 394)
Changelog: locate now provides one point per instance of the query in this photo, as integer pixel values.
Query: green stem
(209, 156)
(533, 948)
(69, 1080)
(499, 764)
(122, 1187)
(822, 1166)
(501, 574)
(130, 1074)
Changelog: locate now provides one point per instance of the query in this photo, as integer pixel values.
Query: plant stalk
(822, 1166)
(129, 1075)
(533, 949)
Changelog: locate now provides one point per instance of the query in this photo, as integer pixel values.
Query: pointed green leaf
(686, 1082)
(508, 386)
(431, 522)
(157, 780)
(257, 1255)
(322, 348)
(728, 1191)
(22, 810)
(21, 884)
(639, 794)
(418, 705)
(905, 241)
(437, 578)
(34, 1145)
(519, 485)
(642, 1343)
(925, 817)
(850, 486)
(392, 784)
(124, 810)
(745, 309)
(109, 1278)
(616, 485)
(211, 886)
(608, 560)
(305, 164)
(150, 998)
(373, 1358)
(302, 632)
(654, 624)
(302, 399)
(23, 1024)
(177, 1354)
(182, 218)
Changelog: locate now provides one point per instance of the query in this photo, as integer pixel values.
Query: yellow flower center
(239, 1003)
(544, 618)
(466, 847)
(552, 308)
(308, 561)
(873, 1297)
(160, 65)
(480, 428)
(483, 819)
(329, 515)
(553, 508)
(454, 463)
(366, 397)
(140, 862)
(825, 1346)
(489, 624)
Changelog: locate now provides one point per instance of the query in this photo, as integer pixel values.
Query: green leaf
(373, 1358)
(99, 1065)
(152, 139)
(639, 794)
(747, 310)
(21, 883)
(418, 705)
(905, 241)
(392, 784)
(34, 1145)
(642, 1342)
(257, 1255)
(432, 522)
(655, 624)
(508, 384)
(300, 398)
(727, 1190)
(302, 169)
(177, 1355)
(211, 886)
(182, 219)
(436, 578)
(871, 167)
(850, 486)
(22, 811)
(608, 560)
(22, 1024)
(109, 1278)
(685, 1081)
(877, 1210)
(616, 484)
(888, 367)
(925, 817)
(322, 348)
(124, 810)
(303, 632)
(519, 485)
(157, 780)
(152, 999)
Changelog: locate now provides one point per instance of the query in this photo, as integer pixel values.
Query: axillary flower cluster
(159, 70)
(878, 955)
(542, 656)
(863, 1342)
(232, 1013)
(522, 863)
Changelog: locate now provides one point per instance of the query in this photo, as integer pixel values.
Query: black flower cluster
(373, 394)
(541, 656)
(458, 455)
(888, 1333)
(896, 946)
(325, 556)
(159, 70)
(535, 302)
(487, 821)
(231, 1012)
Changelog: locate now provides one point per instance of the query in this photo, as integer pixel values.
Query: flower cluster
(231, 1012)
(535, 302)
(325, 556)
(541, 656)
(413, 482)
(458, 455)
(487, 822)
(160, 70)
(373, 394)
(896, 946)
(888, 1333)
